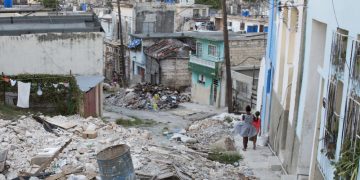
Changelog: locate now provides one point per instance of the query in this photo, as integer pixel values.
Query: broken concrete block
(274, 163)
(39, 160)
(225, 144)
(183, 138)
(288, 177)
(89, 134)
(43, 155)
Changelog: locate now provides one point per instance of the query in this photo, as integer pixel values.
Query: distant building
(167, 64)
(245, 24)
(208, 78)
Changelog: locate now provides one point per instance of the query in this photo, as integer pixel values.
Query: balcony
(206, 67)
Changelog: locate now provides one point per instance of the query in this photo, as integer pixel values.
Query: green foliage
(50, 3)
(228, 157)
(63, 100)
(348, 165)
(228, 119)
(135, 122)
(216, 4)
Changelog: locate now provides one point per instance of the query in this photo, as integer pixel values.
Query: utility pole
(122, 68)
(229, 101)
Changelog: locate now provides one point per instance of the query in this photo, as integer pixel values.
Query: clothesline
(22, 79)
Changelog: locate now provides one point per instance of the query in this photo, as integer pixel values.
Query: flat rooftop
(208, 35)
(11, 26)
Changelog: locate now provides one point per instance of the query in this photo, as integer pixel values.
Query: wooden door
(90, 103)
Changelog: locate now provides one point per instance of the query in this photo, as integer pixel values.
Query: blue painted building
(270, 61)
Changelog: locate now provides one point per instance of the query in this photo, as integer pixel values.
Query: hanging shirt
(23, 94)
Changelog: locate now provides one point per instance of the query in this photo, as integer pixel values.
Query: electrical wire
(333, 7)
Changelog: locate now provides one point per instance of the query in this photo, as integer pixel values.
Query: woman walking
(246, 128)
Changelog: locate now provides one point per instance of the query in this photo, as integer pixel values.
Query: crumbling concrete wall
(159, 21)
(175, 73)
(282, 137)
(52, 53)
(243, 52)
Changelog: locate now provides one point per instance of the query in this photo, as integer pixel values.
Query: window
(230, 24)
(242, 26)
(196, 12)
(338, 55)
(212, 50)
(204, 13)
(202, 79)
(198, 49)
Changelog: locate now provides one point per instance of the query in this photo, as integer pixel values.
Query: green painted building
(205, 66)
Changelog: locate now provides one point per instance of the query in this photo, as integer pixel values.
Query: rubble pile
(209, 131)
(30, 143)
(143, 96)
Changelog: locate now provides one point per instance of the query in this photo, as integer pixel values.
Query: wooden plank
(64, 125)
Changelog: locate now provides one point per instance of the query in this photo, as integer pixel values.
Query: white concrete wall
(53, 53)
(345, 17)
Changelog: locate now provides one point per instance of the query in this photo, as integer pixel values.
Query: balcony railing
(196, 60)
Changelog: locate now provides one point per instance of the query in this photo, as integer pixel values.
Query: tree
(50, 3)
(213, 3)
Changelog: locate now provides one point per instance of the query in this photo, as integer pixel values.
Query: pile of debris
(145, 96)
(66, 147)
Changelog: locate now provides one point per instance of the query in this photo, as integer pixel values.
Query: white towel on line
(23, 94)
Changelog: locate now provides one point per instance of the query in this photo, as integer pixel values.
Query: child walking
(257, 125)
(246, 129)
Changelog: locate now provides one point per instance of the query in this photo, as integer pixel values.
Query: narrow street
(260, 163)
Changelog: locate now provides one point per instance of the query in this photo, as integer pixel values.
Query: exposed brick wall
(175, 73)
(240, 50)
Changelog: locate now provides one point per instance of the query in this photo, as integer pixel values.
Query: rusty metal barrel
(115, 163)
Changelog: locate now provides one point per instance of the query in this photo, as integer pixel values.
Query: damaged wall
(52, 53)
(282, 137)
(158, 21)
(240, 50)
(175, 73)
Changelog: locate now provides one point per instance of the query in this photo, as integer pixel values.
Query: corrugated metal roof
(87, 82)
(168, 48)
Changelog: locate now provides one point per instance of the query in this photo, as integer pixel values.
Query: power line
(332, 1)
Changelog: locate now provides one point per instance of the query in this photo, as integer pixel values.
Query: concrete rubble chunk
(274, 163)
(225, 144)
(89, 134)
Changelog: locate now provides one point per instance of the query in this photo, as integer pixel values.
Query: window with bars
(356, 65)
(338, 51)
(348, 164)
(332, 118)
(201, 79)
(212, 50)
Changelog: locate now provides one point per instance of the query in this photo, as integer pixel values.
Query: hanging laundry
(6, 79)
(23, 94)
(39, 91)
(12, 82)
(55, 85)
(65, 84)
